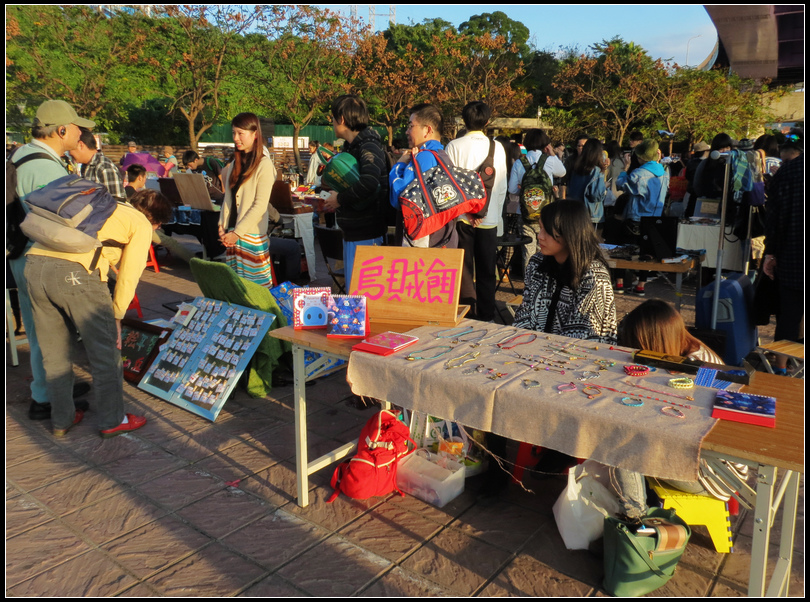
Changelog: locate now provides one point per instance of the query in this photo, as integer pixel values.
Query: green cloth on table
(218, 281)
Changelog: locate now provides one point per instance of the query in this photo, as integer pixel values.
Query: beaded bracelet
(591, 392)
(636, 370)
(633, 402)
(674, 412)
(586, 374)
(681, 383)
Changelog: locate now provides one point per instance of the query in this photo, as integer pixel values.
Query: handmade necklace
(411, 357)
(604, 364)
(478, 342)
(480, 368)
(450, 364)
(451, 332)
(483, 332)
(504, 345)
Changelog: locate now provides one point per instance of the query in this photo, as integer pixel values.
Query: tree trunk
(296, 153)
(390, 129)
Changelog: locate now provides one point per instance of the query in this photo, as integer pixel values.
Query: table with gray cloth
(642, 439)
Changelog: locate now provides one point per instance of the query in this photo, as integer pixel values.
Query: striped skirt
(250, 259)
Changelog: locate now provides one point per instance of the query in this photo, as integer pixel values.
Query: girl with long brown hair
(243, 222)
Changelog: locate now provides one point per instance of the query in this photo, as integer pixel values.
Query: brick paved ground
(186, 507)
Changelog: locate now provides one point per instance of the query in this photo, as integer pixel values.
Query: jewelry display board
(140, 343)
(198, 367)
(583, 398)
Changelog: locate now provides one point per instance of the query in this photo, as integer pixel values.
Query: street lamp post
(687, 47)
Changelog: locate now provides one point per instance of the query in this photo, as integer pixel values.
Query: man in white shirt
(477, 234)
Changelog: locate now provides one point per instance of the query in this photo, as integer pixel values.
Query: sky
(663, 30)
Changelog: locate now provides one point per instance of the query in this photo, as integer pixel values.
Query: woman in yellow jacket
(243, 222)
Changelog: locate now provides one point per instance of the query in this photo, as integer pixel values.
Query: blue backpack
(67, 214)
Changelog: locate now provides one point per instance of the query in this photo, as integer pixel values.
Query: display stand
(408, 287)
(193, 191)
(206, 354)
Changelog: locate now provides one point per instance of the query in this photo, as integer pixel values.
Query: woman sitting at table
(569, 293)
(568, 288)
(246, 208)
(657, 326)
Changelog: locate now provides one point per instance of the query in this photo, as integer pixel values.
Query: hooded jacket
(361, 211)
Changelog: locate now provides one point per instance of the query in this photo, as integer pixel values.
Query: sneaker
(133, 424)
(638, 291)
(77, 418)
(618, 289)
(42, 411)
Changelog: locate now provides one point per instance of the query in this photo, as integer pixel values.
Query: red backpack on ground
(373, 470)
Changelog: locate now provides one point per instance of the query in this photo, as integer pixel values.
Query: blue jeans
(66, 299)
(349, 250)
(632, 493)
(38, 389)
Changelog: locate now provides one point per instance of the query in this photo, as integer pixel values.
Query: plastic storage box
(430, 477)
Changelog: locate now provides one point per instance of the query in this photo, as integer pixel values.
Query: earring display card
(198, 367)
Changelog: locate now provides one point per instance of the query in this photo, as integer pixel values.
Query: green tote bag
(637, 564)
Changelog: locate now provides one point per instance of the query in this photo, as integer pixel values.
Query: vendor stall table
(706, 236)
(679, 269)
(767, 450)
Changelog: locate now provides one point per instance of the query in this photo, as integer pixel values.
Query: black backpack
(16, 240)
(487, 172)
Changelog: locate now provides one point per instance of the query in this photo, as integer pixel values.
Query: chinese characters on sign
(423, 280)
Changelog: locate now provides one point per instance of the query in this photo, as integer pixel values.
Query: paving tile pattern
(184, 507)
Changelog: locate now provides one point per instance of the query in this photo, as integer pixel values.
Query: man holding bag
(424, 134)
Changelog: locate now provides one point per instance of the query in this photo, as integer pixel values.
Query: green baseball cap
(58, 112)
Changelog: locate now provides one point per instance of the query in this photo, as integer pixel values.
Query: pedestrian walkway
(186, 507)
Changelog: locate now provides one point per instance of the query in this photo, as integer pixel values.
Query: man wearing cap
(131, 149)
(55, 132)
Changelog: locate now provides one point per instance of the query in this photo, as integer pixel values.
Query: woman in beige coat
(243, 222)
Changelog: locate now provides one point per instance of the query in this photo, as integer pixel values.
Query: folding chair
(330, 240)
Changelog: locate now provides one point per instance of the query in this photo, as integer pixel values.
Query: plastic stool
(528, 456)
(136, 305)
(152, 262)
(699, 510)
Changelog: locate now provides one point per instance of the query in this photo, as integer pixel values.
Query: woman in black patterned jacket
(568, 287)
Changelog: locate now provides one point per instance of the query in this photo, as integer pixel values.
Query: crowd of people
(598, 192)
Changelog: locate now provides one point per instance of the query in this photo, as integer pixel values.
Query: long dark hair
(590, 157)
(570, 222)
(244, 164)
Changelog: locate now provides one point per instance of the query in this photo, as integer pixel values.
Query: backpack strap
(20, 162)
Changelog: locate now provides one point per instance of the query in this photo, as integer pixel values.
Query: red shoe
(135, 422)
(638, 291)
(77, 418)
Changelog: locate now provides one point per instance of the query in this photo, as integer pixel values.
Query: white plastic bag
(581, 509)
